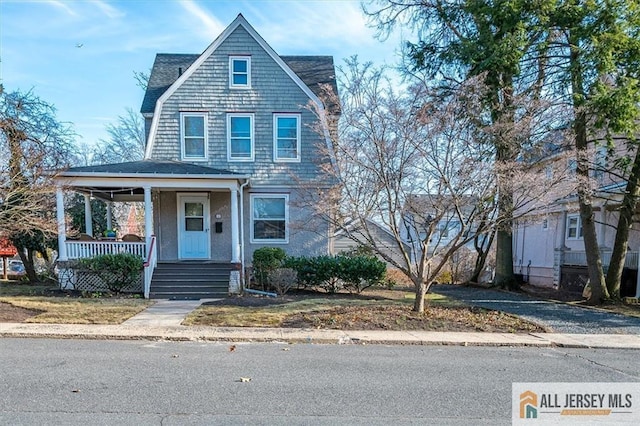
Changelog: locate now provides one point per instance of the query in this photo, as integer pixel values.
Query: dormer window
(240, 72)
(193, 132)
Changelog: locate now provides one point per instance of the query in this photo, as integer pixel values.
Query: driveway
(559, 317)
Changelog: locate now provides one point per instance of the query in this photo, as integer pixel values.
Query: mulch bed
(10, 313)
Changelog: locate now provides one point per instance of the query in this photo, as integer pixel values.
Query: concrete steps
(190, 280)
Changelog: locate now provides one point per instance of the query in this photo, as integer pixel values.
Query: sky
(81, 55)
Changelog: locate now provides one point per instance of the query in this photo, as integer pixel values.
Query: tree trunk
(420, 290)
(625, 221)
(594, 262)
(482, 249)
(29, 267)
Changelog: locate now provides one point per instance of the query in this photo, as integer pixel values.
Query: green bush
(353, 273)
(265, 260)
(117, 271)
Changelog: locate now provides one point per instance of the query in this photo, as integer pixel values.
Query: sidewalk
(292, 335)
(161, 321)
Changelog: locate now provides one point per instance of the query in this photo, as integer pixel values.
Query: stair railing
(149, 266)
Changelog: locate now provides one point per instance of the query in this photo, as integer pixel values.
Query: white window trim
(286, 219)
(243, 58)
(205, 117)
(253, 140)
(275, 137)
(578, 224)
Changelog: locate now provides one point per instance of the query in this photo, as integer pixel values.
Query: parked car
(15, 269)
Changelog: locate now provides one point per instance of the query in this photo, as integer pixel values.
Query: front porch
(573, 262)
(146, 181)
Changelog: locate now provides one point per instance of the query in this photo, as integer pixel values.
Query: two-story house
(233, 153)
(548, 245)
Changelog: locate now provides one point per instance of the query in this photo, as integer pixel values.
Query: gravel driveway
(559, 317)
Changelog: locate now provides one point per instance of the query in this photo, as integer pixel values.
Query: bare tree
(417, 165)
(33, 145)
(126, 140)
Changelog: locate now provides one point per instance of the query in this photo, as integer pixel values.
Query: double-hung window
(286, 137)
(240, 72)
(574, 227)
(269, 218)
(240, 137)
(193, 135)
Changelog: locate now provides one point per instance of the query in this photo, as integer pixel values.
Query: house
(371, 234)
(548, 247)
(232, 151)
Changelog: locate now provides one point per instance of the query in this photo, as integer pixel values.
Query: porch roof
(125, 181)
(152, 168)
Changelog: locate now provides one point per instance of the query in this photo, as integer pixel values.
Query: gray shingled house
(231, 154)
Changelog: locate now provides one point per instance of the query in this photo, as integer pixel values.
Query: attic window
(239, 72)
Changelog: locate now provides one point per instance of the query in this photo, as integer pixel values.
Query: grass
(374, 310)
(48, 305)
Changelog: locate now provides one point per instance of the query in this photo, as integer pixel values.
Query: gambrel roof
(314, 71)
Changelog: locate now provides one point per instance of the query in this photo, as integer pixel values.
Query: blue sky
(80, 55)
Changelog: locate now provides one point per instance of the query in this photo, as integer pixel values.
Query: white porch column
(88, 225)
(109, 214)
(148, 217)
(235, 228)
(62, 237)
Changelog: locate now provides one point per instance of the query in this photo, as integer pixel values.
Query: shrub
(266, 259)
(282, 279)
(117, 271)
(354, 273)
(360, 272)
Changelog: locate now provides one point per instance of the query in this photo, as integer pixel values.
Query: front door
(193, 227)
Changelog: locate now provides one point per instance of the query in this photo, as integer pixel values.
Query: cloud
(108, 10)
(62, 5)
(210, 25)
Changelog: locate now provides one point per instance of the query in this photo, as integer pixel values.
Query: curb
(313, 336)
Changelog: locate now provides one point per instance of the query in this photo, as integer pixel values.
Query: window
(286, 137)
(240, 137)
(193, 131)
(240, 72)
(545, 224)
(574, 227)
(269, 217)
(193, 216)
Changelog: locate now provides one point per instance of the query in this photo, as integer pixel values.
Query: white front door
(193, 227)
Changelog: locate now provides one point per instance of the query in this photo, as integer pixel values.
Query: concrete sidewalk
(293, 335)
(162, 321)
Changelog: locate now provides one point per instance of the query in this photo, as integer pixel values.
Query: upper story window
(193, 135)
(240, 137)
(239, 72)
(286, 137)
(269, 218)
(574, 227)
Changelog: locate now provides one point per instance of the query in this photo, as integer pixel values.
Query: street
(79, 382)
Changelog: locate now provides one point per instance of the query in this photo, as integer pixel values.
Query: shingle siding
(272, 90)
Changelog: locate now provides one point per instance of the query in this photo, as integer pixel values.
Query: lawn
(46, 304)
(372, 310)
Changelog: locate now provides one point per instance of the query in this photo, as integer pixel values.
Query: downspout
(243, 279)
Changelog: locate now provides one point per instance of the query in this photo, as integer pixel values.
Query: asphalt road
(78, 382)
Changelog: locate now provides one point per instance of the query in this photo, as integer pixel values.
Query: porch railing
(84, 249)
(579, 258)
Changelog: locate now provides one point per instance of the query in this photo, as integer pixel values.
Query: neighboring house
(231, 152)
(438, 221)
(375, 236)
(548, 247)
